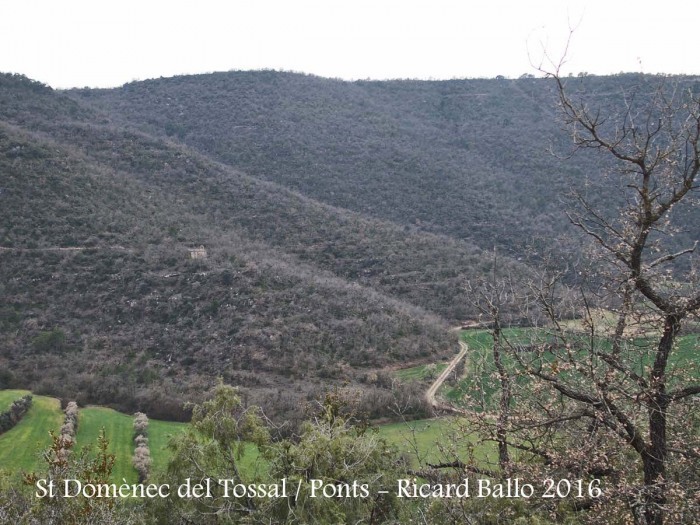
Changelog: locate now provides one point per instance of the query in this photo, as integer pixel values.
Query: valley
(265, 267)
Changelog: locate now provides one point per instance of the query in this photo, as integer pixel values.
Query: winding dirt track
(430, 393)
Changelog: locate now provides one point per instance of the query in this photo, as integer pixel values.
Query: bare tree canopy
(613, 394)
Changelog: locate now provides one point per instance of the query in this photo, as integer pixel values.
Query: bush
(52, 341)
(70, 422)
(142, 455)
(14, 414)
(140, 424)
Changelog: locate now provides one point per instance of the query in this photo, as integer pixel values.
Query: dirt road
(430, 394)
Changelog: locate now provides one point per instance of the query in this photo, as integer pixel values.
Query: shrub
(52, 341)
(70, 422)
(142, 455)
(14, 414)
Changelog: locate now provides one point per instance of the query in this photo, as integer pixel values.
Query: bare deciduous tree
(655, 144)
(612, 395)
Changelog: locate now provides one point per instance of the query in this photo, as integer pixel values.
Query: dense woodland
(485, 161)
(341, 222)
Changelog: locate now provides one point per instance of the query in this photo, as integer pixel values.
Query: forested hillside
(102, 300)
(483, 160)
(283, 231)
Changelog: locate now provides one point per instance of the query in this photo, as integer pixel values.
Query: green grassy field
(8, 396)
(120, 432)
(688, 350)
(21, 446)
(479, 366)
(421, 372)
(480, 383)
(437, 440)
(420, 437)
(159, 433)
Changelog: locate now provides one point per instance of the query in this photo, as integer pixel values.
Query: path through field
(430, 394)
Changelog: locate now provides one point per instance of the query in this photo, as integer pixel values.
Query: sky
(106, 43)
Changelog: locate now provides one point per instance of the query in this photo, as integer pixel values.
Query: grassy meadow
(438, 440)
(479, 380)
(8, 396)
(21, 446)
(120, 432)
(421, 372)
